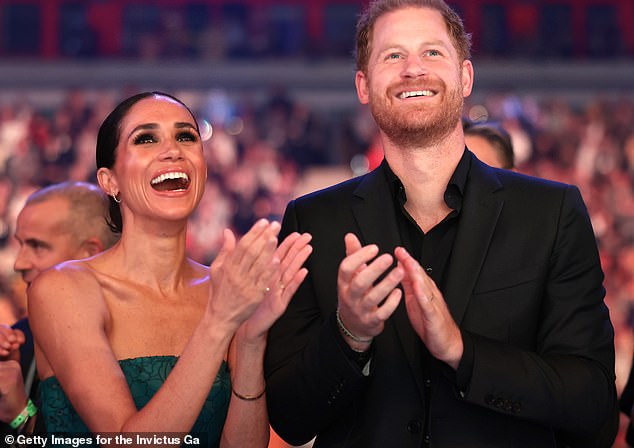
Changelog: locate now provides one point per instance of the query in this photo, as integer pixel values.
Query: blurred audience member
(490, 143)
(61, 222)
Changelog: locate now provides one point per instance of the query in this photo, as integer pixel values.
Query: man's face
(415, 83)
(44, 237)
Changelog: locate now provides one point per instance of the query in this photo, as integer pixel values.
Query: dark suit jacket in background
(524, 284)
(27, 351)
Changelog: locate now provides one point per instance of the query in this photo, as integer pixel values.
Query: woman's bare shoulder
(65, 286)
(69, 273)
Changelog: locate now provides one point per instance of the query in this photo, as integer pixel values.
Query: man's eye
(394, 56)
(187, 137)
(433, 52)
(143, 139)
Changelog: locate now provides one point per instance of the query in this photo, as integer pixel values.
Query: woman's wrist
(248, 351)
(218, 329)
(253, 343)
(247, 397)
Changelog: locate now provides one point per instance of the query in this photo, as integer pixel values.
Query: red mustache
(408, 86)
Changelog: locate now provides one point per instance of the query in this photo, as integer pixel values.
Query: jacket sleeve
(311, 381)
(567, 382)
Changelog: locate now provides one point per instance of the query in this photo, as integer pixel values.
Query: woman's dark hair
(108, 140)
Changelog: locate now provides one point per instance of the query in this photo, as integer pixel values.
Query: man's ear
(107, 181)
(467, 78)
(92, 246)
(361, 81)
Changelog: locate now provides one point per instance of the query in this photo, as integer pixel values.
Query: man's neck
(425, 173)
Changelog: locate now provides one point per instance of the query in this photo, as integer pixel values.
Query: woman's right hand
(242, 273)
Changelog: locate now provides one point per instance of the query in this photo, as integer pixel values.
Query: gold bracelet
(248, 397)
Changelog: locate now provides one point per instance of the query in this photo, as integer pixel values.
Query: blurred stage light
(206, 130)
(359, 165)
(478, 114)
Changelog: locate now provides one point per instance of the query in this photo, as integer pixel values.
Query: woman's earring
(116, 199)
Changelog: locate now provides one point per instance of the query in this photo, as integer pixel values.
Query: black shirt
(433, 251)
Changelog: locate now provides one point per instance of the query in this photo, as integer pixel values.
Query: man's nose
(25, 265)
(414, 67)
(22, 261)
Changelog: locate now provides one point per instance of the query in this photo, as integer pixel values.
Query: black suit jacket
(524, 284)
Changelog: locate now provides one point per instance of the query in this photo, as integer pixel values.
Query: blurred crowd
(250, 29)
(259, 155)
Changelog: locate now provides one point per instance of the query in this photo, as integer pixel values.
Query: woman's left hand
(293, 252)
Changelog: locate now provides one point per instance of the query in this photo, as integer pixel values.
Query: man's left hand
(428, 312)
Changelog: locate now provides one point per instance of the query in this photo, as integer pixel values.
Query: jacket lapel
(479, 215)
(373, 209)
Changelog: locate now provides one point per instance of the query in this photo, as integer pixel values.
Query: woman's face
(160, 170)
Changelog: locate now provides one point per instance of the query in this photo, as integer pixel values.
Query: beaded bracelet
(248, 397)
(29, 411)
(348, 333)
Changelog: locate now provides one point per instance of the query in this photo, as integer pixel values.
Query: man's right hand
(10, 342)
(12, 395)
(363, 305)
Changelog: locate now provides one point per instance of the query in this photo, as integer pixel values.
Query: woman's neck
(155, 253)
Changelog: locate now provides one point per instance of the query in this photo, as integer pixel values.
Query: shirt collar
(455, 188)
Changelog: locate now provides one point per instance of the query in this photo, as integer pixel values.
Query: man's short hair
(88, 209)
(365, 25)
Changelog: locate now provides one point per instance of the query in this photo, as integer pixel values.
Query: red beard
(418, 123)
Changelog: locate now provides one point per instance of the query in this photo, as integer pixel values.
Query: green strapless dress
(145, 376)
